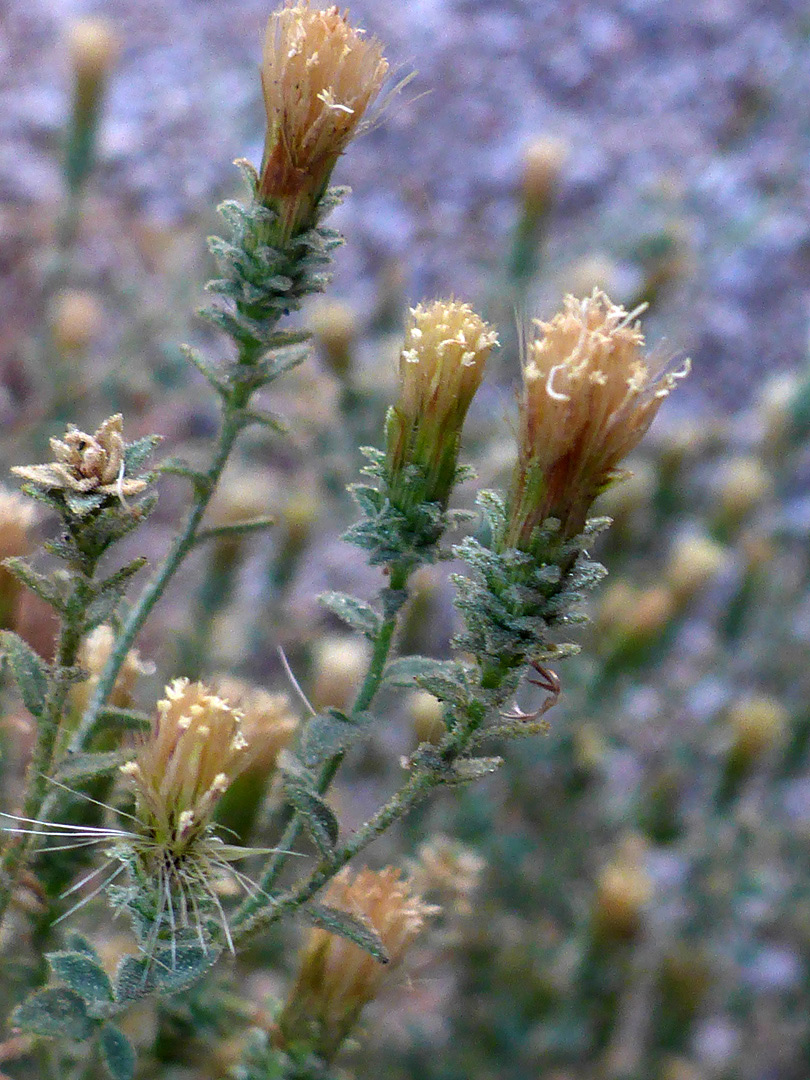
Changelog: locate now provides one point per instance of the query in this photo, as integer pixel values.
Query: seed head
(195, 750)
(86, 463)
(337, 978)
(440, 368)
(589, 394)
(319, 76)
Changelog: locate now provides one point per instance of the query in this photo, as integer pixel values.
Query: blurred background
(629, 898)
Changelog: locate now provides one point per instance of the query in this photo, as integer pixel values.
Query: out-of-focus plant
(153, 825)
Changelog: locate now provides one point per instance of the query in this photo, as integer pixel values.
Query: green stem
(232, 424)
(417, 787)
(39, 771)
(365, 696)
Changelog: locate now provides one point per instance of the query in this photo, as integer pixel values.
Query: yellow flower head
(589, 395)
(336, 978)
(319, 75)
(440, 368)
(194, 752)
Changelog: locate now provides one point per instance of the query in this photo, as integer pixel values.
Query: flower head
(85, 464)
(337, 978)
(589, 394)
(94, 653)
(440, 368)
(319, 75)
(194, 752)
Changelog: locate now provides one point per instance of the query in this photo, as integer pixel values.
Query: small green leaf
(320, 822)
(29, 671)
(136, 453)
(84, 976)
(77, 942)
(467, 770)
(111, 716)
(116, 1053)
(329, 733)
(88, 766)
(54, 1011)
(38, 583)
(445, 679)
(357, 614)
(348, 926)
(82, 504)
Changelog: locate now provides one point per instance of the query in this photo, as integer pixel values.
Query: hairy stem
(366, 694)
(232, 424)
(39, 771)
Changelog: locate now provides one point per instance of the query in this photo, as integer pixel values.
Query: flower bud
(334, 327)
(440, 368)
(589, 394)
(339, 665)
(94, 653)
(76, 320)
(543, 160)
(427, 716)
(337, 978)
(17, 519)
(319, 76)
(757, 724)
(743, 484)
(623, 891)
(693, 562)
(93, 47)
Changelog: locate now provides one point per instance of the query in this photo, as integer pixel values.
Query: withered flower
(319, 75)
(589, 395)
(336, 978)
(86, 464)
(440, 368)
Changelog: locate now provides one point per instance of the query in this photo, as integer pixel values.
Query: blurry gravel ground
(689, 114)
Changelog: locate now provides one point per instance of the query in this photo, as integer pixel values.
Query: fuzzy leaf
(88, 766)
(354, 929)
(445, 679)
(84, 976)
(467, 770)
(136, 453)
(29, 672)
(81, 504)
(116, 1053)
(320, 821)
(329, 733)
(78, 943)
(357, 614)
(125, 719)
(38, 583)
(138, 976)
(54, 1011)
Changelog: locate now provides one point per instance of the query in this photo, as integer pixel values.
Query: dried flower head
(268, 721)
(589, 395)
(450, 869)
(336, 978)
(440, 368)
(195, 750)
(319, 76)
(94, 653)
(86, 464)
